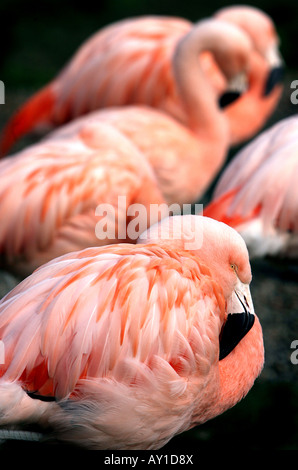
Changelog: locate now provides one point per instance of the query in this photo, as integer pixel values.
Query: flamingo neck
(239, 369)
(197, 94)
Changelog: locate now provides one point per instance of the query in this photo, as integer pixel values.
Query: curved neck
(199, 99)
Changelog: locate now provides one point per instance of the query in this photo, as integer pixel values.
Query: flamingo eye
(234, 267)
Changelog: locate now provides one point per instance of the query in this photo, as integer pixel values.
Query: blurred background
(37, 39)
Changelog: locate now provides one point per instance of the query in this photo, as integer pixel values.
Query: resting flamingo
(50, 192)
(257, 193)
(134, 62)
(125, 346)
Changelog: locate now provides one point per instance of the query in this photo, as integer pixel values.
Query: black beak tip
(236, 327)
(275, 77)
(40, 397)
(228, 98)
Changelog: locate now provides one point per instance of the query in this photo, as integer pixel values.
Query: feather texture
(74, 312)
(50, 191)
(126, 338)
(257, 193)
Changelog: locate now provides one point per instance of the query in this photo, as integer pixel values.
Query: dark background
(36, 40)
(38, 37)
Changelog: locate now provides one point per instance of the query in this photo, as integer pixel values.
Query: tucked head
(216, 245)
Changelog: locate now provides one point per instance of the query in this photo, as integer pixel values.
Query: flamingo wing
(126, 62)
(139, 51)
(50, 191)
(114, 313)
(260, 181)
(168, 146)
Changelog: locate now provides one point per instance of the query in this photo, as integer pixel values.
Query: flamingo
(50, 191)
(125, 346)
(54, 194)
(134, 61)
(35, 231)
(257, 193)
(184, 161)
(183, 165)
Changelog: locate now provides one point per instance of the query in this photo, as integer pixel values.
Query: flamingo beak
(227, 98)
(277, 69)
(236, 87)
(240, 319)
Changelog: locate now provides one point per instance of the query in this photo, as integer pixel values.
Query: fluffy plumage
(126, 338)
(50, 191)
(257, 193)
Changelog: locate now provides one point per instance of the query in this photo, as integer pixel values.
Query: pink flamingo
(49, 194)
(184, 161)
(133, 343)
(50, 191)
(135, 62)
(257, 193)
